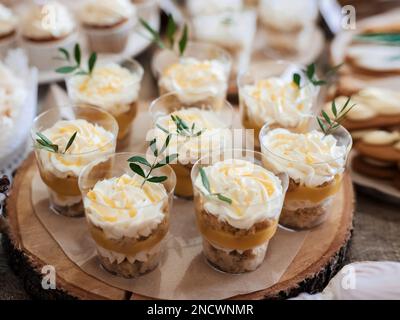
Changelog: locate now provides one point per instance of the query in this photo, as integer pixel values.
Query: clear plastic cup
(128, 237)
(226, 246)
(191, 149)
(62, 180)
(124, 111)
(259, 105)
(313, 186)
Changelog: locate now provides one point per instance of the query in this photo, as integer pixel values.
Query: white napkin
(362, 281)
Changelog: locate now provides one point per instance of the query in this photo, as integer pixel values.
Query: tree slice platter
(30, 247)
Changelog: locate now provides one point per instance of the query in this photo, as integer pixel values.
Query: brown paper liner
(183, 272)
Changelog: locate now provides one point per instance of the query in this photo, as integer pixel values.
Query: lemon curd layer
(256, 193)
(123, 207)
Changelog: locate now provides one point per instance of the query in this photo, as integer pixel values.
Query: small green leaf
(162, 129)
(310, 71)
(154, 33)
(70, 141)
(157, 179)
(92, 62)
(137, 169)
(296, 79)
(183, 41)
(321, 125)
(77, 54)
(166, 143)
(44, 138)
(66, 69)
(65, 53)
(171, 29)
(81, 73)
(139, 159)
(223, 198)
(326, 116)
(334, 109)
(318, 82)
(153, 147)
(45, 147)
(204, 180)
(168, 159)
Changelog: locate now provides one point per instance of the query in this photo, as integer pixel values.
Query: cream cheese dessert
(275, 100)
(113, 87)
(315, 164)
(44, 29)
(128, 223)
(236, 232)
(289, 24)
(211, 133)
(195, 80)
(60, 170)
(128, 217)
(8, 29)
(107, 23)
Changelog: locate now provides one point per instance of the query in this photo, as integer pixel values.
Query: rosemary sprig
(329, 125)
(76, 67)
(206, 185)
(172, 28)
(182, 128)
(137, 162)
(45, 143)
(311, 76)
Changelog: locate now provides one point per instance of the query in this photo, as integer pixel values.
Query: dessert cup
(315, 164)
(269, 94)
(60, 171)
(236, 235)
(127, 221)
(215, 137)
(201, 73)
(115, 92)
(108, 29)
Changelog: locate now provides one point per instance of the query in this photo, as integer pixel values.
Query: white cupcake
(107, 23)
(44, 29)
(8, 29)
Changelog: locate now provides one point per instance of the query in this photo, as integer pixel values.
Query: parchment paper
(183, 272)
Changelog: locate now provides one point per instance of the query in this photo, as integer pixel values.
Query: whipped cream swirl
(278, 100)
(110, 86)
(122, 208)
(310, 159)
(91, 141)
(105, 13)
(195, 80)
(49, 21)
(256, 193)
(214, 134)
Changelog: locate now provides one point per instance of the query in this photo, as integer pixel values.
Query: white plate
(137, 43)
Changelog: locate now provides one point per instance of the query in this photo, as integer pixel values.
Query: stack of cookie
(374, 123)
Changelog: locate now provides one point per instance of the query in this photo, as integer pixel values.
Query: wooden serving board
(30, 247)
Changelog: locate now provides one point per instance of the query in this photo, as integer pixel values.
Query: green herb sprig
(172, 28)
(45, 143)
(76, 67)
(136, 163)
(206, 185)
(311, 75)
(182, 128)
(329, 125)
